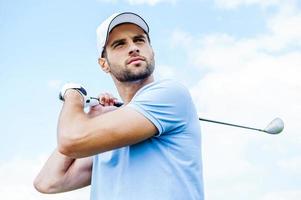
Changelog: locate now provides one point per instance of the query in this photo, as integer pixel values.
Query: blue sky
(240, 59)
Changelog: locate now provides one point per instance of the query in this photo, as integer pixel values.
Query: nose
(133, 49)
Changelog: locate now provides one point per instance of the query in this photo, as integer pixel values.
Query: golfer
(150, 148)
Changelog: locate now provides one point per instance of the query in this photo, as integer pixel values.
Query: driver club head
(275, 127)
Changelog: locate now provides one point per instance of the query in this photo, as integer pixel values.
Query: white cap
(114, 20)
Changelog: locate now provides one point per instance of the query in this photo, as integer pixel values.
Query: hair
(104, 52)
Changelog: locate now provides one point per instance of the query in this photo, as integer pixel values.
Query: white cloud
(232, 4)
(249, 81)
(165, 71)
(17, 175)
(285, 28)
(181, 38)
(279, 195)
(292, 165)
(54, 84)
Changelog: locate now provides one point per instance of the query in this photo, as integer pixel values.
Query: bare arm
(81, 136)
(61, 174)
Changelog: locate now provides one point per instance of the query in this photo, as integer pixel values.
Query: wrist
(73, 95)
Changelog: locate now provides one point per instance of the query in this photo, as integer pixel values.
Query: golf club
(274, 127)
(93, 101)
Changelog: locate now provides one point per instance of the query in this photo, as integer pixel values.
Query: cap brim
(128, 17)
(116, 19)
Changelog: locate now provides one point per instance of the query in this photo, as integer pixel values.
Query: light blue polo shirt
(167, 166)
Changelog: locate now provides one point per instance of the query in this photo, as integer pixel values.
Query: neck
(127, 90)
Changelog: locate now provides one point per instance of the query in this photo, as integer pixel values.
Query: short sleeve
(165, 104)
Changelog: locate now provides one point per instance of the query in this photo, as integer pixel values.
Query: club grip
(89, 102)
(118, 104)
(92, 101)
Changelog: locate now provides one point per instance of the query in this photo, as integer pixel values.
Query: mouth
(135, 60)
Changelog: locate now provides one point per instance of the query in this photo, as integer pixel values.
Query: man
(150, 148)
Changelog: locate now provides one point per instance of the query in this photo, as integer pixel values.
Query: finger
(112, 100)
(107, 99)
(103, 98)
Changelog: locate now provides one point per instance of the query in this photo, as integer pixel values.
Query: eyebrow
(117, 41)
(140, 36)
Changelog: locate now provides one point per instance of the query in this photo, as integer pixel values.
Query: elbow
(70, 139)
(42, 187)
(69, 146)
(66, 147)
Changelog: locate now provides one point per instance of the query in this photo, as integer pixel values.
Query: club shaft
(229, 124)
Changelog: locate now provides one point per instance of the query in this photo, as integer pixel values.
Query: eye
(118, 44)
(140, 40)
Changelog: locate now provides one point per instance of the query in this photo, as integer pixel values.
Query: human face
(129, 55)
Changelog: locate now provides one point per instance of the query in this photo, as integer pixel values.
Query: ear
(104, 64)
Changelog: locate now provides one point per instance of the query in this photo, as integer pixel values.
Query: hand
(76, 86)
(74, 95)
(106, 105)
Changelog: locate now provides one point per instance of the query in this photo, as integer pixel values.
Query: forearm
(61, 174)
(51, 177)
(82, 135)
(71, 123)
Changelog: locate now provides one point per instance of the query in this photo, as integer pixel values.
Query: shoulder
(165, 103)
(163, 88)
(165, 83)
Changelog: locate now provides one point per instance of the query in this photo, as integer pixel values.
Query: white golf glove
(88, 101)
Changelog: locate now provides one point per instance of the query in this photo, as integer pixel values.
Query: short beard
(126, 75)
